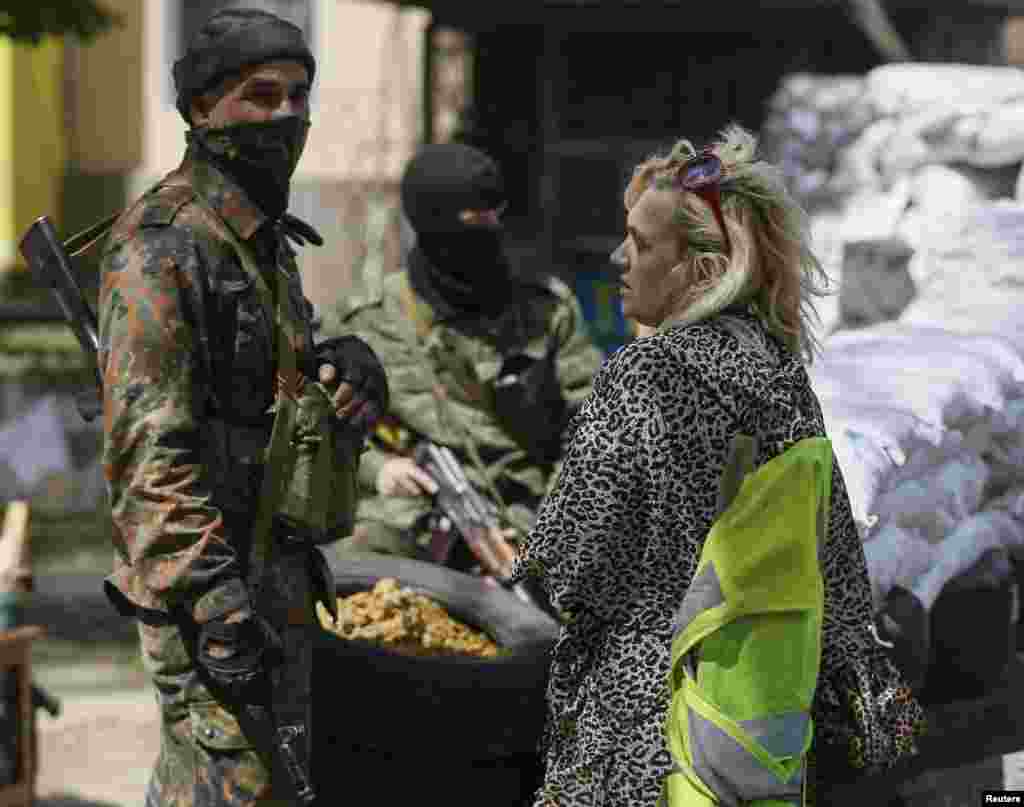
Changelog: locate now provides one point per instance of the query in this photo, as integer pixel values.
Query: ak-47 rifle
(51, 268)
(464, 512)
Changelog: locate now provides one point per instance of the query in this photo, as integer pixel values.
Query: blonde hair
(771, 265)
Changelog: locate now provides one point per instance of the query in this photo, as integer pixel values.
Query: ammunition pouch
(318, 487)
(318, 495)
(529, 405)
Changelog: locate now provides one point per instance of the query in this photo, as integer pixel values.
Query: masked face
(256, 130)
(261, 157)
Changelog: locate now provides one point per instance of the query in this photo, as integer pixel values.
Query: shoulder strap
(740, 462)
(279, 451)
(83, 241)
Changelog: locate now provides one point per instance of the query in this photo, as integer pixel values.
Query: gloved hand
(362, 395)
(237, 648)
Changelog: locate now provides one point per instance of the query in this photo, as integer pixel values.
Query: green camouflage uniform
(441, 376)
(188, 358)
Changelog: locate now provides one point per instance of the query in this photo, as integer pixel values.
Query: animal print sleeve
(587, 546)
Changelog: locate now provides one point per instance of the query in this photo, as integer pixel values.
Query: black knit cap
(443, 179)
(231, 40)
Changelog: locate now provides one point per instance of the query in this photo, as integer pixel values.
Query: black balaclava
(260, 157)
(459, 269)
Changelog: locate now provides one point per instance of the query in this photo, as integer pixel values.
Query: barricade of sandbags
(928, 427)
(909, 154)
(917, 214)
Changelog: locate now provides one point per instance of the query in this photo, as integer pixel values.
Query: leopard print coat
(619, 536)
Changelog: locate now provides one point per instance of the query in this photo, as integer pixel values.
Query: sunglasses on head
(701, 174)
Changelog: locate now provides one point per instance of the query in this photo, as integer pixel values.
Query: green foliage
(76, 543)
(41, 348)
(29, 21)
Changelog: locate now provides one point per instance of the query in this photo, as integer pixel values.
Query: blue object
(602, 309)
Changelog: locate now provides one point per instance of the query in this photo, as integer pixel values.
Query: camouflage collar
(224, 195)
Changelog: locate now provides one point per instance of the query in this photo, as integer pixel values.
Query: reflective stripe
(705, 592)
(733, 773)
(782, 735)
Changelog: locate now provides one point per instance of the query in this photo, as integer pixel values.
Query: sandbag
(972, 538)
(938, 502)
(898, 89)
(896, 556)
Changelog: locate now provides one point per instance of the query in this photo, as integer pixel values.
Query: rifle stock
(51, 268)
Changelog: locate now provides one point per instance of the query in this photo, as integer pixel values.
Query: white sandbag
(994, 357)
(864, 465)
(977, 311)
(896, 432)
(976, 134)
(936, 503)
(897, 556)
(939, 388)
(998, 138)
(857, 165)
(899, 89)
(939, 205)
(875, 214)
(964, 547)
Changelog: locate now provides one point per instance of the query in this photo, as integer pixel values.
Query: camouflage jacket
(187, 354)
(462, 359)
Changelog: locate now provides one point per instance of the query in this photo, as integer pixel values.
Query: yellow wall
(32, 148)
(107, 104)
(8, 248)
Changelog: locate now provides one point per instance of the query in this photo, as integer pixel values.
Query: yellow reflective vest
(747, 647)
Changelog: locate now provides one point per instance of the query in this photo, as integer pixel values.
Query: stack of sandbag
(928, 427)
(810, 120)
(975, 282)
(836, 137)
(913, 153)
(916, 215)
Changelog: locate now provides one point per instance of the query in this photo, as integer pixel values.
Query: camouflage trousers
(206, 760)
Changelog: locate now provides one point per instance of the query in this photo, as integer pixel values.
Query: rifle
(465, 512)
(51, 268)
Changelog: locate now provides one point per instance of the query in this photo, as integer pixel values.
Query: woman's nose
(618, 257)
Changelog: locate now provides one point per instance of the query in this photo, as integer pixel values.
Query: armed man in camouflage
(454, 329)
(203, 328)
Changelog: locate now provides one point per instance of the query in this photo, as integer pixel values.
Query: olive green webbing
(280, 451)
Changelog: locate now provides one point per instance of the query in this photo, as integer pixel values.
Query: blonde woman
(716, 265)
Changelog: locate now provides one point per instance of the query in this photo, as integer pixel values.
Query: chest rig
(308, 479)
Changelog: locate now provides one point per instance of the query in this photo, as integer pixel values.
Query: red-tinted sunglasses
(702, 175)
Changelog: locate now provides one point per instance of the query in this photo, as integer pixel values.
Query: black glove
(359, 366)
(235, 647)
(239, 656)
